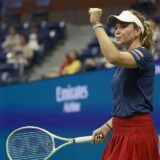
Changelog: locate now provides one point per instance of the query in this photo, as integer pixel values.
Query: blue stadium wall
(69, 106)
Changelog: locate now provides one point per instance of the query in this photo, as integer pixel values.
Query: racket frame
(67, 141)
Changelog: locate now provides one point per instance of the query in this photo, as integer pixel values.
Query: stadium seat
(13, 10)
(41, 9)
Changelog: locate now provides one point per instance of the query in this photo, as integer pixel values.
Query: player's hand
(95, 15)
(100, 134)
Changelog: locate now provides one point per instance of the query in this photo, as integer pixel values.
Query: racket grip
(82, 139)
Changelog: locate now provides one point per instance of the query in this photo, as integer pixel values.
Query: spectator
(11, 40)
(58, 71)
(89, 65)
(148, 7)
(156, 40)
(22, 53)
(75, 64)
(33, 39)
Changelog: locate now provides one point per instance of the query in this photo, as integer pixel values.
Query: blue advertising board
(68, 106)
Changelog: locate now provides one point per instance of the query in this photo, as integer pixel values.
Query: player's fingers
(94, 10)
(97, 138)
(93, 137)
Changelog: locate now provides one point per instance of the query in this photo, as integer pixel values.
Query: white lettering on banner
(157, 69)
(71, 93)
(71, 107)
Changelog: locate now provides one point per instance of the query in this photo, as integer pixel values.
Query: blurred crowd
(24, 45)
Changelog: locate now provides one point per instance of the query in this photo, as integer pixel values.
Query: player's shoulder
(142, 52)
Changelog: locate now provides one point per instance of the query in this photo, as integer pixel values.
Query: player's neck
(133, 45)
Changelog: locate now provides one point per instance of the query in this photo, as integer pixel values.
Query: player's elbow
(113, 60)
(113, 57)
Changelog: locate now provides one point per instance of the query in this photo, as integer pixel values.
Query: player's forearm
(109, 123)
(107, 126)
(109, 50)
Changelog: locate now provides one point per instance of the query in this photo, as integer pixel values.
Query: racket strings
(31, 144)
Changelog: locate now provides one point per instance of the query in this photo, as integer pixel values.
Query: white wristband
(97, 25)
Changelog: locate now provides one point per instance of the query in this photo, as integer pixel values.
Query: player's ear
(137, 31)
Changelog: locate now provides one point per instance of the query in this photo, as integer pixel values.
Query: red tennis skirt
(133, 138)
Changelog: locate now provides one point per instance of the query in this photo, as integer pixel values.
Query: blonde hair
(147, 37)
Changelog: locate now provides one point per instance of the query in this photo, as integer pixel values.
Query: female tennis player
(133, 133)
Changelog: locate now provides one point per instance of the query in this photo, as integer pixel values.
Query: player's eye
(124, 25)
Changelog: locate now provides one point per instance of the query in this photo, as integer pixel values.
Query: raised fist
(95, 15)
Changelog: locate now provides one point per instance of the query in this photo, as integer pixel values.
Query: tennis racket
(35, 143)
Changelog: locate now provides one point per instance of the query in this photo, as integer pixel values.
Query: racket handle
(82, 139)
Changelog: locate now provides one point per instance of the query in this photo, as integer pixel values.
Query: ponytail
(147, 37)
